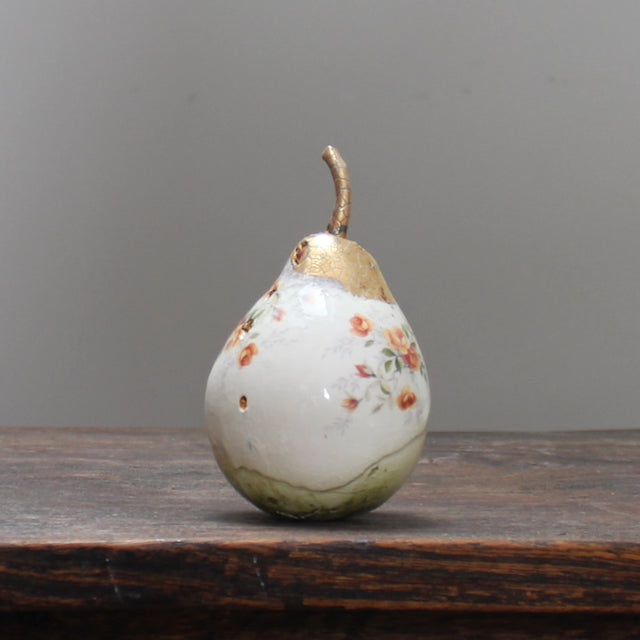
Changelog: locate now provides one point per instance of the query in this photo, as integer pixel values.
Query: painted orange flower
(273, 289)
(246, 355)
(278, 314)
(350, 404)
(361, 325)
(407, 398)
(364, 371)
(397, 340)
(412, 358)
(236, 335)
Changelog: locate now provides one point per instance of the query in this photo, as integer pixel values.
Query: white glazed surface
(333, 383)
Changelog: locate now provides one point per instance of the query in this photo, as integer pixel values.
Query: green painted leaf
(368, 343)
(389, 353)
(387, 365)
(385, 388)
(377, 407)
(398, 364)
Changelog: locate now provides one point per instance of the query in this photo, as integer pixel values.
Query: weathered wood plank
(130, 518)
(289, 575)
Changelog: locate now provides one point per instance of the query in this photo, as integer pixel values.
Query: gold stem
(339, 222)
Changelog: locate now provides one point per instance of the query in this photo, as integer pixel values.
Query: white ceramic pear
(317, 406)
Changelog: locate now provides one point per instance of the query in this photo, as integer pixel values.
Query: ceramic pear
(317, 405)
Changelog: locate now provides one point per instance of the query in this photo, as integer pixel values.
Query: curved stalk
(339, 222)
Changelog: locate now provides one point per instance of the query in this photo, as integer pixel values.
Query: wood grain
(140, 519)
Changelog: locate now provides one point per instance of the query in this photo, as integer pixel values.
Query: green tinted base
(366, 491)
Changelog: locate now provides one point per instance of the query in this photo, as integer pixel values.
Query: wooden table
(123, 533)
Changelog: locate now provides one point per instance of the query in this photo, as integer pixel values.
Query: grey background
(160, 159)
